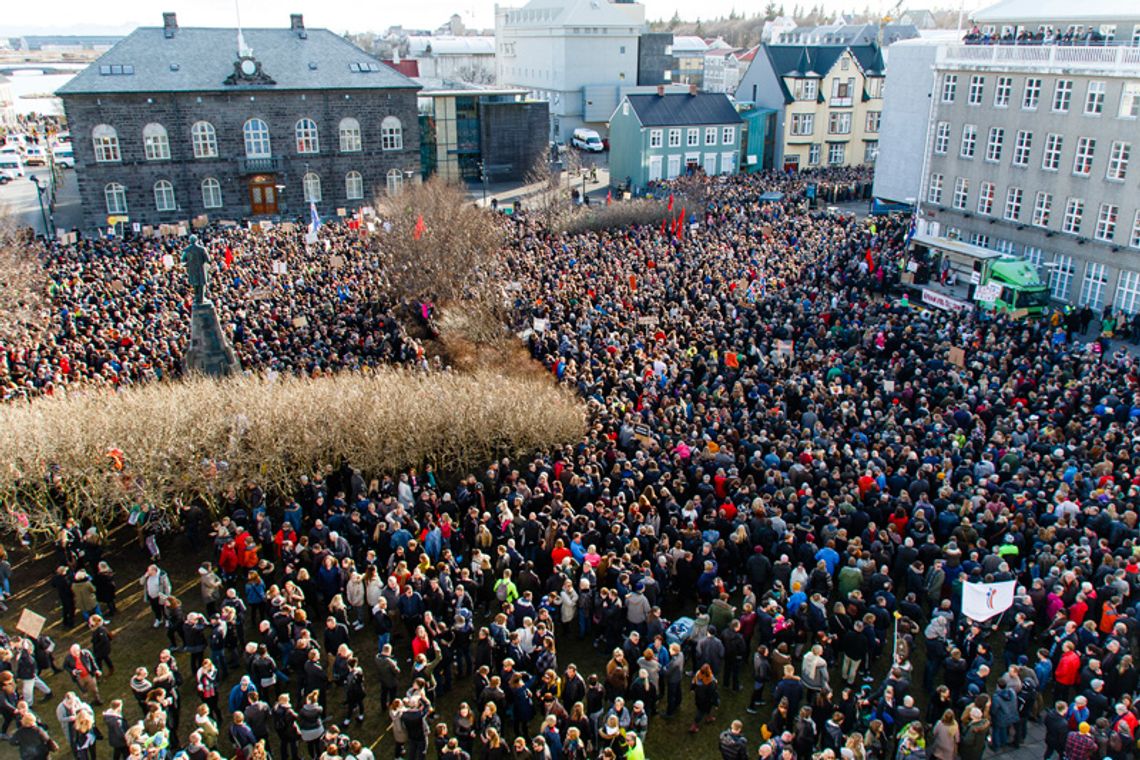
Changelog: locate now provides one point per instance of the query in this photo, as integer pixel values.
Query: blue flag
(314, 218)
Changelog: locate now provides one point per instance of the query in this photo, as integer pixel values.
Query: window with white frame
(977, 90)
(693, 137)
(1021, 147)
(116, 197)
(673, 168)
(156, 143)
(1094, 98)
(394, 182)
(1118, 161)
(1130, 101)
(211, 193)
(806, 89)
(814, 153)
(1062, 95)
(961, 193)
(391, 134)
(934, 189)
(106, 142)
(979, 239)
(839, 123)
(728, 136)
(308, 141)
(1012, 204)
(969, 141)
(1061, 276)
(843, 92)
(949, 87)
(1003, 91)
(1004, 246)
(674, 138)
(349, 133)
(870, 151)
(204, 140)
(942, 138)
(836, 153)
(1127, 297)
(1106, 222)
(802, 123)
(1042, 209)
(1134, 239)
(994, 144)
(164, 196)
(656, 138)
(875, 86)
(1033, 256)
(1092, 287)
(986, 198)
(1074, 211)
(353, 186)
(1083, 160)
(311, 185)
(1051, 157)
(256, 136)
(1032, 94)
(874, 119)
(710, 135)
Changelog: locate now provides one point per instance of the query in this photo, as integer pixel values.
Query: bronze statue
(196, 260)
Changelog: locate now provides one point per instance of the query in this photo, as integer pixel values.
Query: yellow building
(831, 97)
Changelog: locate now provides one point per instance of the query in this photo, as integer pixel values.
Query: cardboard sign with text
(31, 623)
(958, 357)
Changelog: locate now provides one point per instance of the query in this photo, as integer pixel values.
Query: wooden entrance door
(262, 196)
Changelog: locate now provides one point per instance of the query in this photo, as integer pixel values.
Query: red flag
(609, 197)
(418, 232)
(670, 207)
(681, 225)
(229, 257)
(633, 282)
(664, 230)
(870, 261)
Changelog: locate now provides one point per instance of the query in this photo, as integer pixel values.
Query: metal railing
(1105, 59)
(259, 165)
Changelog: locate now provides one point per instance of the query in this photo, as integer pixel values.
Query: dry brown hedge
(197, 438)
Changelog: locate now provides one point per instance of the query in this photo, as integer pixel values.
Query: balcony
(260, 165)
(1115, 59)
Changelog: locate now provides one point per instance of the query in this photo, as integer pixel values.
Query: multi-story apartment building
(1030, 150)
(574, 54)
(828, 97)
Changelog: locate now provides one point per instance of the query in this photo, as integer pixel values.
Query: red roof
(408, 68)
(749, 54)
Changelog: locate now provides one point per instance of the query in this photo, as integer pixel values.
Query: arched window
(106, 141)
(164, 196)
(349, 135)
(256, 133)
(354, 186)
(211, 193)
(307, 139)
(391, 134)
(116, 196)
(156, 145)
(204, 139)
(395, 181)
(312, 188)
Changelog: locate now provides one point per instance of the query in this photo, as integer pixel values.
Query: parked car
(587, 140)
(35, 155)
(63, 156)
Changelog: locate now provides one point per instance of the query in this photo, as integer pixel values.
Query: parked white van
(587, 139)
(11, 165)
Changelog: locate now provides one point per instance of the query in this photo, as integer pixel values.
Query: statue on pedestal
(208, 353)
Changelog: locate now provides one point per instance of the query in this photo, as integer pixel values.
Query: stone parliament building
(172, 123)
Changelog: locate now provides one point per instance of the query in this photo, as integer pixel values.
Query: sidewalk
(509, 192)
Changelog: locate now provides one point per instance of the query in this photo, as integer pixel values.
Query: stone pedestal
(209, 353)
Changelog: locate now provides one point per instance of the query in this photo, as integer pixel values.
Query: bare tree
(549, 196)
(438, 242)
(23, 283)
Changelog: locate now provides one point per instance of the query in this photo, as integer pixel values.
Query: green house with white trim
(662, 135)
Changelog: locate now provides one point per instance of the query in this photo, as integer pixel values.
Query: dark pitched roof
(799, 60)
(683, 109)
(199, 59)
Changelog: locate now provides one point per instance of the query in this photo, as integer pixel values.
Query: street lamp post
(40, 196)
(483, 177)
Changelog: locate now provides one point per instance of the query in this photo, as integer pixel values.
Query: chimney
(169, 24)
(660, 90)
(692, 89)
(297, 24)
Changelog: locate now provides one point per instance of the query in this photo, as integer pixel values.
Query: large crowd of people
(785, 484)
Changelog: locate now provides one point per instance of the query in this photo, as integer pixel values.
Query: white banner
(982, 601)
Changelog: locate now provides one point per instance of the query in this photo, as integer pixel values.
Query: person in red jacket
(228, 560)
(1068, 671)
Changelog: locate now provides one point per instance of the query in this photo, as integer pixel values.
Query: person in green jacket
(849, 579)
(505, 590)
(635, 750)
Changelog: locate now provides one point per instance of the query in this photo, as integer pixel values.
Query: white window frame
(961, 197)
(164, 199)
(115, 198)
(815, 154)
(255, 135)
(1083, 157)
(1042, 209)
(306, 137)
(394, 182)
(693, 137)
(674, 138)
(949, 88)
(156, 142)
(311, 186)
(836, 154)
(1134, 238)
(1094, 97)
(839, 123)
(977, 90)
(803, 124)
(874, 121)
(1022, 147)
(728, 136)
(673, 167)
(1127, 296)
(1031, 97)
(656, 138)
(994, 143)
(354, 186)
(934, 188)
(1073, 216)
(1093, 286)
(1106, 218)
(1062, 95)
(105, 140)
(1061, 276)
(942, 138)
(349, 135)
(1118, 156)
(1051, 155)
(204, 140)
(969, 143)
(391, 134)
(1129, 100)
(1003, 90)
(710, 135)
(986, 198)
(1013, 198)
(211, 193)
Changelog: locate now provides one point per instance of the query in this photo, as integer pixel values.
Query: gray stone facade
(1092, 260)
(512, 137)
(129, 113)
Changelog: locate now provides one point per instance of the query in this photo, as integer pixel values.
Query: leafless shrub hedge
(618, 214)
(23, 284)
(196, 438)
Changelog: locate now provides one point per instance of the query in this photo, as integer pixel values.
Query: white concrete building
(575, 54)
(464, 59)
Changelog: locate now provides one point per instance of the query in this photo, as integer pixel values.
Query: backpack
(501, 590)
